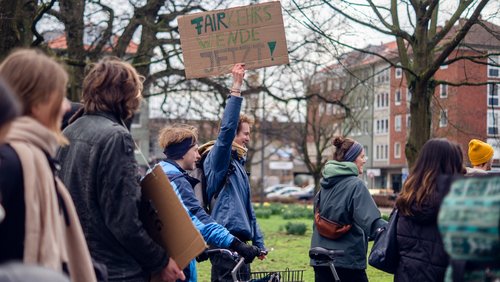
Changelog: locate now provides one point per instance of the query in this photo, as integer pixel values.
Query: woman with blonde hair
(422, 255)
(41, 225)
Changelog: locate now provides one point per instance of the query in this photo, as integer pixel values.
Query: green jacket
(344, 198)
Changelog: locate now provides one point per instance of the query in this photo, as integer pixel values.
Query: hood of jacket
(335, 168)
(335, 171)
(240, 150)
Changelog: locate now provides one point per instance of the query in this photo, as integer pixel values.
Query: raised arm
(217, 162)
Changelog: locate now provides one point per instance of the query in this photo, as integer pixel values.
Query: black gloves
(202, 257)
(246, 251)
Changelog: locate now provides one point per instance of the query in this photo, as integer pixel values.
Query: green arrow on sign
(272, 45)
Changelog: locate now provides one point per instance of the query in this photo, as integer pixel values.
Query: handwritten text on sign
(212, 42)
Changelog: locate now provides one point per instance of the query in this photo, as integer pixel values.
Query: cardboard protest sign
(168, 222)
(212, 42)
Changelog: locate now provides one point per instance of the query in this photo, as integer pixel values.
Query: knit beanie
(479, 152)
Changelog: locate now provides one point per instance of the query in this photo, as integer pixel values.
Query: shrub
(295, 228)
(262, 213)
(298, 212)
(276, 208)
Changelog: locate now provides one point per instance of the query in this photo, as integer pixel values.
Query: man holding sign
(228, 187)
(212, 42)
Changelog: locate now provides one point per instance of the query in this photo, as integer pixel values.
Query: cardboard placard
(168, 223)
(212, 42)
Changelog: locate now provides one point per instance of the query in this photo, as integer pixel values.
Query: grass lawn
(287, 251)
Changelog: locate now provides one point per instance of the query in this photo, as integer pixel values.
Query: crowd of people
(70, 200)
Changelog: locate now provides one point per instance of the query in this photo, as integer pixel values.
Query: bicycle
(325, 257)
(267, 276)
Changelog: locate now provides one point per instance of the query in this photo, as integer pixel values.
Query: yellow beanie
(479, 152)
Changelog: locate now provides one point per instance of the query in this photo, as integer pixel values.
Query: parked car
(275, 188)
(305, 193)
(283, 193)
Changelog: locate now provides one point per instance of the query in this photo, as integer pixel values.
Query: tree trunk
(72, 16)
(421, 116)
(16, 18)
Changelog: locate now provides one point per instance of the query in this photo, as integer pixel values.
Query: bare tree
(423, 46)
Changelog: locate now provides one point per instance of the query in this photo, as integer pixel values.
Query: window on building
(492, 122)
(443, 91)
(397, 123)
(493, 66)
(443, 118)
(399, 72)
(397, 150)
(383, 76)
(386, 95)
(493, 94)
(397, 97)
(136, 120)
(408, 123)
(408, 95)
(386, 152)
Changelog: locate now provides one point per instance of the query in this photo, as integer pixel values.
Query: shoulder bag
(326, 227)
(385, 253)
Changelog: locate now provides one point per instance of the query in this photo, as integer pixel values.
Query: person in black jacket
(100, 171)
(422, 255)
(9, 110)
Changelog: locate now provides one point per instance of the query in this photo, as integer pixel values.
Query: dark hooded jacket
(345, 199)
(422, 255)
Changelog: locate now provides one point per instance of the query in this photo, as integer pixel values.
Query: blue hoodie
(214, 234)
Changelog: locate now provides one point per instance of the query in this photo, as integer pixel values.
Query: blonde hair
(35, 78)
(244, 119)
(177, 133)
(112, 85)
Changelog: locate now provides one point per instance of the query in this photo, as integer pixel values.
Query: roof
(58, 41)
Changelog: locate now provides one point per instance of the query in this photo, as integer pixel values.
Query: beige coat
(49, 241)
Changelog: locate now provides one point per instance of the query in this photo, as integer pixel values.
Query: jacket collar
(109, 115)
(175, 171)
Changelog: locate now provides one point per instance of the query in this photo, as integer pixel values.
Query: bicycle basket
(286, 275)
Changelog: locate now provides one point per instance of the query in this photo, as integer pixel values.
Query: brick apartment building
(459, 113)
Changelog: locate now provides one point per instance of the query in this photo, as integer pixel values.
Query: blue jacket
(214, 234)
(233, 208)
